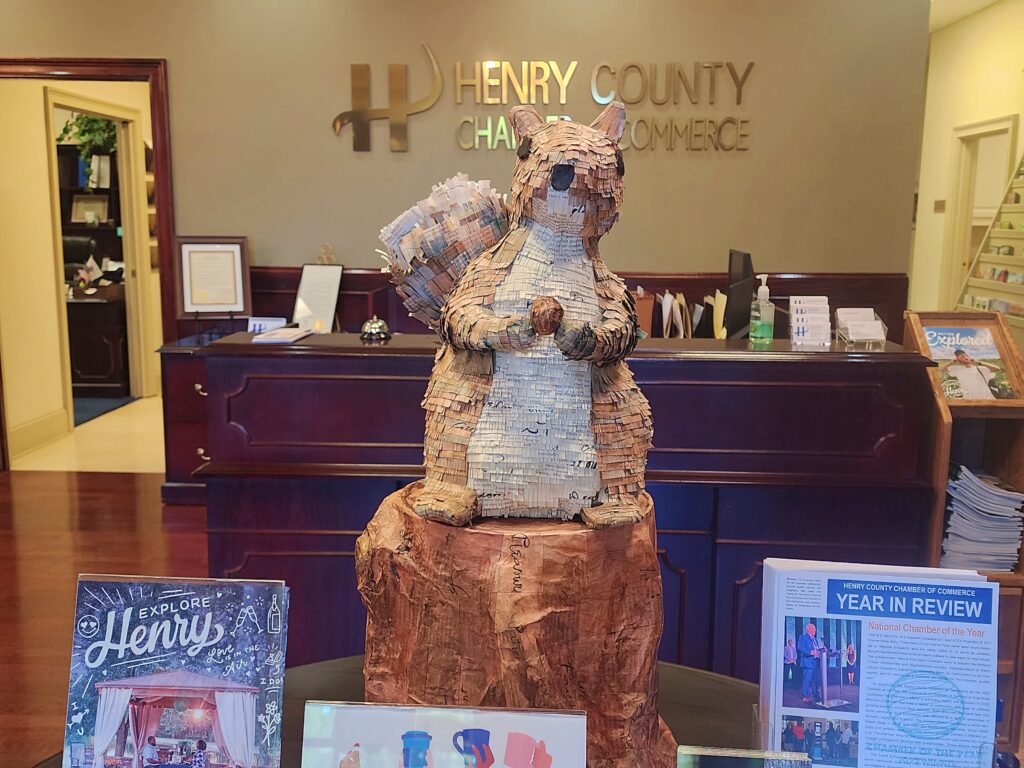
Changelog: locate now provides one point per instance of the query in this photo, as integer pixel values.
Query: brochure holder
(862, 337)
(997, 429)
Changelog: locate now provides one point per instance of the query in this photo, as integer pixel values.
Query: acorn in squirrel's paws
(545, 315)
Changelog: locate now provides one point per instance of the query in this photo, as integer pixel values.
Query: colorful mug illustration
(415, 745)
(522, 751)
(475, 745)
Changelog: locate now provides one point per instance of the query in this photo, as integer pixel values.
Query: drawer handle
(199, 390)
(201, 453)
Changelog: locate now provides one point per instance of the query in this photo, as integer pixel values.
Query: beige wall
(974, 74)
(29, 340)
(29, 303)
(835, 103)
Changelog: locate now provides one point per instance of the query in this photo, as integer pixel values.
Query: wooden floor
(54, 526)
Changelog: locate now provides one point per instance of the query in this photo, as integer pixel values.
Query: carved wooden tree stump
(519, 613)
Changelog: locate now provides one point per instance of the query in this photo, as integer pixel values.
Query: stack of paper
(672, 324)
(810, 320)
(985, 523)
(859, 325)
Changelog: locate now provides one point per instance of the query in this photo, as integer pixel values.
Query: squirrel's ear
(525, 120)
(612, 121)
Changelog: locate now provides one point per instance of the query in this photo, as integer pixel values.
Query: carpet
(88, 408)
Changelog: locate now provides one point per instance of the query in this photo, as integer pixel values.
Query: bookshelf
(986, 435)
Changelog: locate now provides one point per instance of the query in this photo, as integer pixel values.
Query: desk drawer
(184, 385)
(185, 445)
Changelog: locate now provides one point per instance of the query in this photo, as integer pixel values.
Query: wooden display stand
(519, 614)
(987, 435)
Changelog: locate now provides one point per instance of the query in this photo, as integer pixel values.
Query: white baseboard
(37, 433)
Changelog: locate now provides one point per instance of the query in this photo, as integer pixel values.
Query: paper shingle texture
(531, 408)
(519, 613)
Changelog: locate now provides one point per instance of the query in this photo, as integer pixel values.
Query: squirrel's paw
(616, 511)
(446, 503)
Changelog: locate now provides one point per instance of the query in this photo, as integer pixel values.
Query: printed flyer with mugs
(176, 672)
(879, 666)
(342, 735)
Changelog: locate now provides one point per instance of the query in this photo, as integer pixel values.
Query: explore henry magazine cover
(970, 366)
(183, 671)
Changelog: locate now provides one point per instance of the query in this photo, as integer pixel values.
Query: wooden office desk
(783, 452)
(98, 341)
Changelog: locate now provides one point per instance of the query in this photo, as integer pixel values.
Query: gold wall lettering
(696, 134)
(634, 83)
(501, 83)
(397, 111)
(489, 133)
(492, 81)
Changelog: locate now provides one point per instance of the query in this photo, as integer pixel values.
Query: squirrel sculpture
(531, 408)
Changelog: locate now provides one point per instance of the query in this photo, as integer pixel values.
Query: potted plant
(96, 138)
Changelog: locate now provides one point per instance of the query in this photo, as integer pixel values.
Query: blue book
(172, 668)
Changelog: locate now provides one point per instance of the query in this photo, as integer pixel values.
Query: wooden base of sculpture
(519, 613)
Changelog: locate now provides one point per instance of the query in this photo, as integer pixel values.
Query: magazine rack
(988, 434)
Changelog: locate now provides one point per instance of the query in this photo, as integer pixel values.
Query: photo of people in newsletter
(826, 741)
(821, 664)
(970, 366)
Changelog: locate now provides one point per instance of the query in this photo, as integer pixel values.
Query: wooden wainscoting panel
(365, 292)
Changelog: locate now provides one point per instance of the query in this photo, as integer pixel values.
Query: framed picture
(977, 360)
(214, 277)
(85, 204)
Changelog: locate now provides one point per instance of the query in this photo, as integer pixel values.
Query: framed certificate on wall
(214, 276)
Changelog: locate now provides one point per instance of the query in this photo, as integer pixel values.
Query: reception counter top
(789, 452)
(705, 349)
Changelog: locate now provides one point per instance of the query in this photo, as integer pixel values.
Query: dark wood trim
(416, 471)
(365, 292)
(5, 459)
(184, 494)
(154, 72)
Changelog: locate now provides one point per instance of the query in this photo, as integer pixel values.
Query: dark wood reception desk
(777, 452)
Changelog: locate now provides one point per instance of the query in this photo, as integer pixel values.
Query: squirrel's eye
(524, 147)
(620, 165)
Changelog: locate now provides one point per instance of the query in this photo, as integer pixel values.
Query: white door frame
(144, 375)
(956, 235)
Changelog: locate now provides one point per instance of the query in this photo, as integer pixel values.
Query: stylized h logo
(396, 113)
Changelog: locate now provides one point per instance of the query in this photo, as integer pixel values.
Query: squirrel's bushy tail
(431, 243)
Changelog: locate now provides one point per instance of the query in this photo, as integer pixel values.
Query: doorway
(154, 224)
(100, 215)
(982, 161)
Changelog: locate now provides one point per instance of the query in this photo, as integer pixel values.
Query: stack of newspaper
(985, 523)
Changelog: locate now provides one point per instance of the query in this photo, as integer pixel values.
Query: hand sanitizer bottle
(762, 315)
